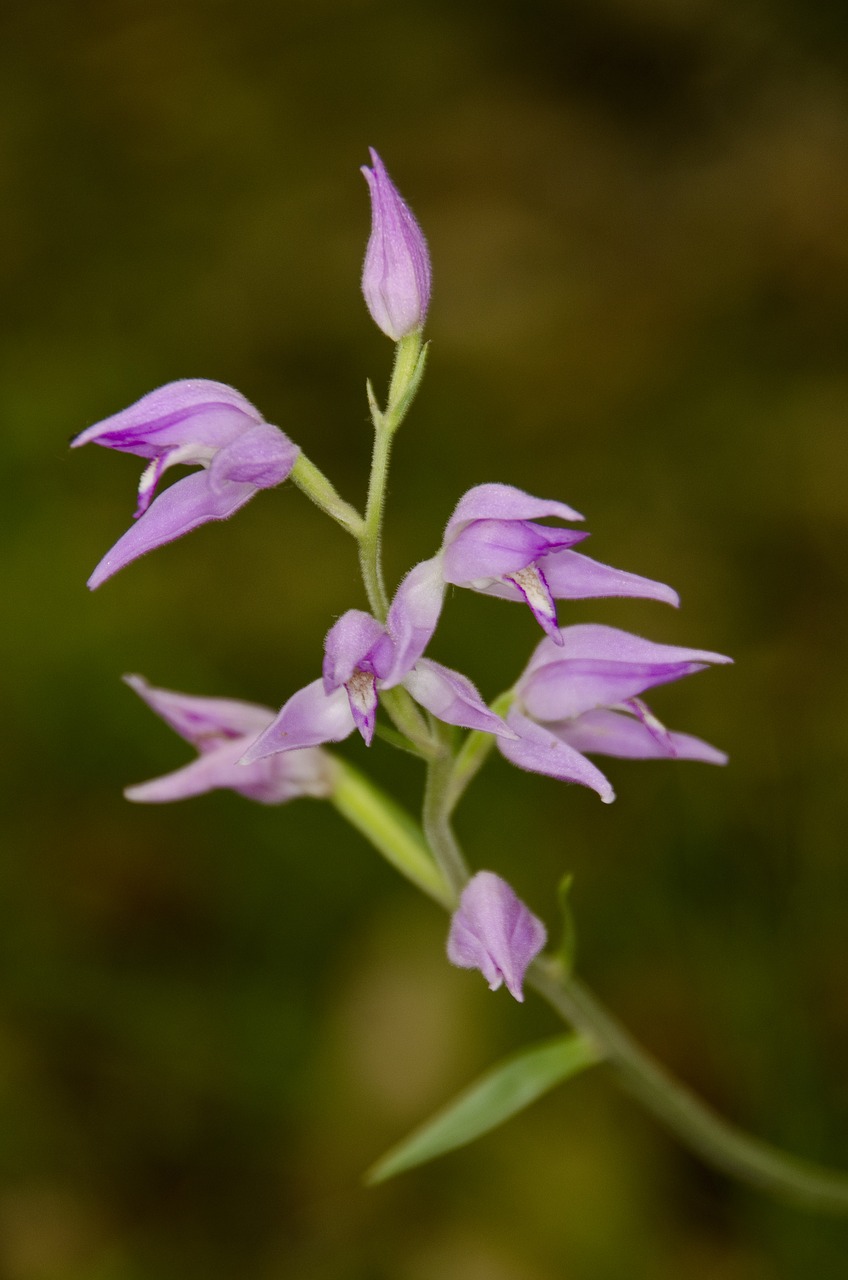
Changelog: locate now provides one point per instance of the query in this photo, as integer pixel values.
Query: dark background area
(216, 1015)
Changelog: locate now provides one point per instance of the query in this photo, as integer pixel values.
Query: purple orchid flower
(396, 274)
(493, 544)
(220, 729)
(493, 931)
(582, 696)
(361, 657)
(194, 422)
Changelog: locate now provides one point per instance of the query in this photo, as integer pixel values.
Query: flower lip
(494, 544)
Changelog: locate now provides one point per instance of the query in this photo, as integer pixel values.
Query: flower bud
(396, 272)
(493, 931)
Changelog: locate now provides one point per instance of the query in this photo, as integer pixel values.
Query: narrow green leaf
(501, 1092)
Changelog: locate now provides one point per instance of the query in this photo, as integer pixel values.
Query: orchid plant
(579, 696)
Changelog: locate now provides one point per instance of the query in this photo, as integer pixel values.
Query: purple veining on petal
(210, 413)
(361, 691)
(652, 725)
(532, 584)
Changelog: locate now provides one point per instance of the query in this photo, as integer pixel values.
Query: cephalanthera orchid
(581, 693)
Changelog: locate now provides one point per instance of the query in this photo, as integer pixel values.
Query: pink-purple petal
(271, 781)
(413, 616)
(560, 690)
(485, 549)
(573, 576)
(452, 697)
(504, 502)
(204, 722)
(186, 505)
(538, 750)
(309, 718)
(612, 733)
(396, 275)
(195, 410)
(262, 456)
(352, 643)
(492, 930)
(596, 641)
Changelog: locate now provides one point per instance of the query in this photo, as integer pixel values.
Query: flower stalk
(697, 1126)
(318, 489)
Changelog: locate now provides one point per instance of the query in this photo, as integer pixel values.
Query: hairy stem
(707, 1134)
(406, 376)
(389, 828)
(323, 493)
(437, 825)
(713, 1138)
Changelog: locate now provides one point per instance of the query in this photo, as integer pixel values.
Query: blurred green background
(216, 1015)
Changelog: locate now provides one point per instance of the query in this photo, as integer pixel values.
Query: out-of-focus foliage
(215, 1016)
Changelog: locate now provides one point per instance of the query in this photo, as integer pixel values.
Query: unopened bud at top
(396, 273)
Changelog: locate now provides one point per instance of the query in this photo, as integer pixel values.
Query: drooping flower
(582, 696)
(493, 544)
(396, 274)
(362, 657)
(220, 729)
(194, 422)
(493, 931)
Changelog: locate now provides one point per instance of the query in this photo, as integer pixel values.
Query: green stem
(717, 1142)
(473, 754)
(405, 715)
(406, 376)
(370, 540)
(323, 493)
(389, 828)
(437, 827)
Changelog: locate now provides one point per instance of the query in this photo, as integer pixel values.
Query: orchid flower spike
(220, 729)
(493, 544)
(198, 423)
(581, 696)
(396, 273)
(493, 931)
(362, 657)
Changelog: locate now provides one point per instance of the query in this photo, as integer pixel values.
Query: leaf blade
(496, 1096)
